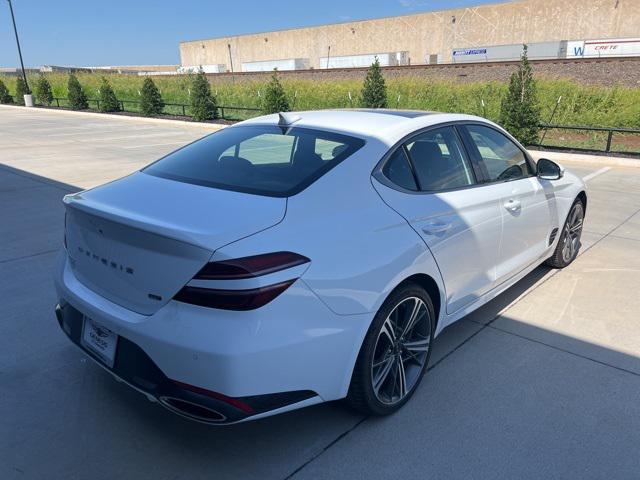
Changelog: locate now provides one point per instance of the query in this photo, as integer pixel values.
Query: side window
(439, 161)
(398, 170)
(501, 157)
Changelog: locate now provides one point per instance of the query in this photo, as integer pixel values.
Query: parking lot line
(154, 145)
(83, 130)
(586, 178)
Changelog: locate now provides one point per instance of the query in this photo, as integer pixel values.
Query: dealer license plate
(100, 340)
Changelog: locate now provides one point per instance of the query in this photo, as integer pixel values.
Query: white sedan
(299, 258)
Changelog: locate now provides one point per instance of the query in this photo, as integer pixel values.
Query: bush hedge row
(581, 104)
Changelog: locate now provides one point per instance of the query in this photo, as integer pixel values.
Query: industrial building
(490, 32)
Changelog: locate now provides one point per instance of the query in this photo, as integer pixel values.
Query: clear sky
(119, 32)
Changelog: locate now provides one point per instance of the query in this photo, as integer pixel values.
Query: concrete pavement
(599, 160)
(83, 149)
(543, 382)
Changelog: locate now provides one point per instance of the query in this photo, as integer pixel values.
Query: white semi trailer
(281, 65)
(355, 61)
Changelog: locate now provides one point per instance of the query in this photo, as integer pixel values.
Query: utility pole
(328, 55)
(231, 62)
(24, 75)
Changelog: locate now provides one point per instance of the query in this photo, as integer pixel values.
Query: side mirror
(548, 170)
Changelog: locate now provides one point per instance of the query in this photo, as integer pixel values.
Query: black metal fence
(559, 137)
(225, 112)
(590, 139)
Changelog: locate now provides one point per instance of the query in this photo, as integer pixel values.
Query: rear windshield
(264, 160)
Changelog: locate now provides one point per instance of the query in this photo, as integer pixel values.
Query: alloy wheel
(572, 233)
(401, 351)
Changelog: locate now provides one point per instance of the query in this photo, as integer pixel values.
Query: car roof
(387, 125)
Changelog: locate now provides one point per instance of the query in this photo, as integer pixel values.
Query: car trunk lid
(138, 240)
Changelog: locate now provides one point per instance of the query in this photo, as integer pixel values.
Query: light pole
(24, 75)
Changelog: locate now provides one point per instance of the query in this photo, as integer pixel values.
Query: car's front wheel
(395, 352)
(569, 242)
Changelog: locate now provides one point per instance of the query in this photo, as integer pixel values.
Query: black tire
(362, 396)
(569, 242)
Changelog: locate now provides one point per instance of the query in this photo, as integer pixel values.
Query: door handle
(435, 228)
(512, 205)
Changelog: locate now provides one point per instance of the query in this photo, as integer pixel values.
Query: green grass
(581, 104)
(590, 140)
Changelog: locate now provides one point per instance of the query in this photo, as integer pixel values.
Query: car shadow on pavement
(503, 394)
(15, 179)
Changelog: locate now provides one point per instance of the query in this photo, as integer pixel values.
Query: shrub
(5, 96)
(582, 104)
(43, 91)
(108, 100)
(76, 96)
(203, 103)
(151, 101)
(21, 90)
(374, 90)
(275, 100)
(519, 111)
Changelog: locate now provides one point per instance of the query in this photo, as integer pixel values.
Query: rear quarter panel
(360, 249)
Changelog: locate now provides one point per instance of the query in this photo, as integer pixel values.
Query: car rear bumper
(290, 353)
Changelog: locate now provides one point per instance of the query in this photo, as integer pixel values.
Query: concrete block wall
(426, 34)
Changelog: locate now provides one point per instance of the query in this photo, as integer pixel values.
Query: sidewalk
(584, 158)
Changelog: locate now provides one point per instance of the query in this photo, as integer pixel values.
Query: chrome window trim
(480, 180)
(380, 176)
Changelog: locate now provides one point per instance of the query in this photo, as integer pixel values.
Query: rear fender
(360, 249)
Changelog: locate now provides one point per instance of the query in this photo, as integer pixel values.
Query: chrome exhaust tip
(192, 410)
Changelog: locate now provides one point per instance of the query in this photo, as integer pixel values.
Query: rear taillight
(237, 269)
(250, 267)
(232, 299)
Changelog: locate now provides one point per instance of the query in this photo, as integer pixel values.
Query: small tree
(43, 90)
(275, 100)
(203, 103)
(5, 96)
(21, 90)
(151, 101)
(374, 90)
(519, 111)
(108, 100)
(76, 96)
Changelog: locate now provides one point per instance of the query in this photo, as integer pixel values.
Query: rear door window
(439, 161)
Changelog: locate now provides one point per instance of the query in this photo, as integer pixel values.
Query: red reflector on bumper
(216, 396)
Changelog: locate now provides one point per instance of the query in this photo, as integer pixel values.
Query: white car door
(430, 182)
(525, 204)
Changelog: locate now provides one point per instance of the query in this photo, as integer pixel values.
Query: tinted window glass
(328, 149)
(397, 170)
(500, 156)
(268, 148)
(265, 160)
(439, 162)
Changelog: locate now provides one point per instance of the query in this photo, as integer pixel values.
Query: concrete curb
(205, 126)
(599, 160)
